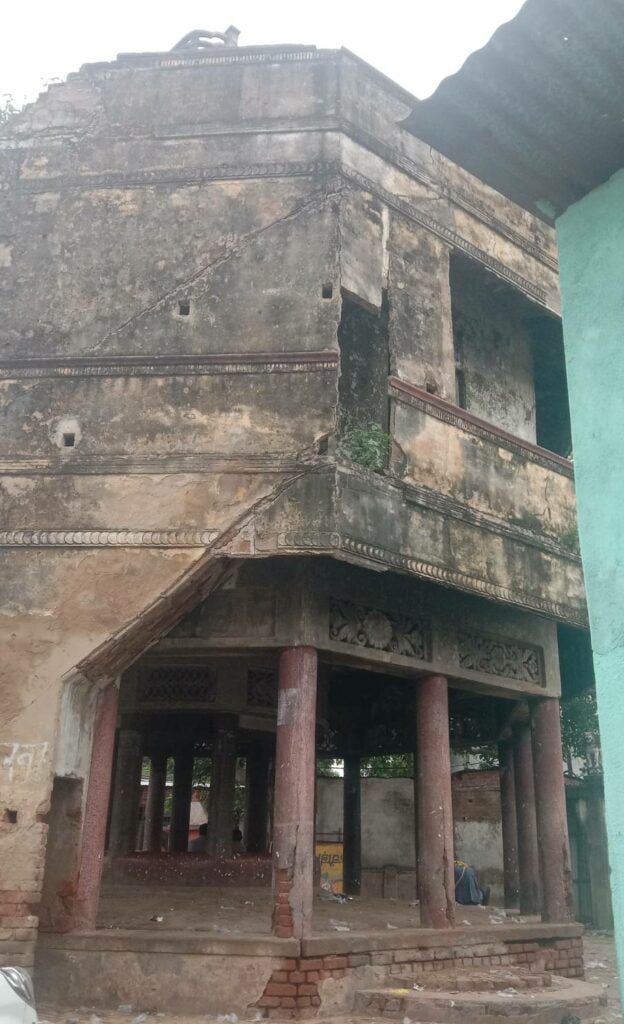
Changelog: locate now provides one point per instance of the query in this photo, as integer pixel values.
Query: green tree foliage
(389, 766)
(579, 726)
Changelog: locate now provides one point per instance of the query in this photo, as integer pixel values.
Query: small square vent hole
(69, 440)
(184, 308)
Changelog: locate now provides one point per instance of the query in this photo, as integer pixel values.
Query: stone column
(222, 786)
(509, 825)
(257, 791)
(293, 805)
(181, 802)
(155, 805)
(528, 856)
(352, 826)
(436, 876)
(550, 804)
(126, 792)
(96, 810)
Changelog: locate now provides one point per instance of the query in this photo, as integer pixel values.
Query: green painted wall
(591, 249)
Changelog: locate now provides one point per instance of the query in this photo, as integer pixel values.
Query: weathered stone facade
(204, 258)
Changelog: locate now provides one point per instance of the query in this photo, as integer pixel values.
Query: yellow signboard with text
(330, 857)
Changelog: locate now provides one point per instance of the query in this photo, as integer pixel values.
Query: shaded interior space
(364, 366)
(190, 843)
(509, 358)
(234, 910)
(258, 784)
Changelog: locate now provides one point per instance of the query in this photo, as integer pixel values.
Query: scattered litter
(466, 922)
(227, 1018)
(249, 903)
(406, 1020)
(222, 907)
(157, 917)
(339, 926)
(418, 988)
(508, 992)
(124, 1008)
(414, 903)
(593, 964)
(142, 1017)
(451, 1003)
(394, 926)
(94, 1019)
(495, 920)
(326, 893)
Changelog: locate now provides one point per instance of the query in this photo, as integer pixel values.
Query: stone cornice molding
(76, 463)
(107, 538)
(202, 364)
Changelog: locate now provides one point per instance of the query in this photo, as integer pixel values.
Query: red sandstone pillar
(528, 856)
(550, 803)
(509, 825)
(96, 810)
(155, 805)
(222, 786)
(181, 802)
(436, 876)
(126, 792)
(293, 807)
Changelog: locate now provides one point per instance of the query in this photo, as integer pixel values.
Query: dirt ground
(600, 967)
(236, 910)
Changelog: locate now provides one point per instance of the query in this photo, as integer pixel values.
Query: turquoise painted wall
(591, 252)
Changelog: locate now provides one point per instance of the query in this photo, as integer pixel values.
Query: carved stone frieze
(501, 656)
(107, 538)
(261, 688)
(177, 685)
(351, 623)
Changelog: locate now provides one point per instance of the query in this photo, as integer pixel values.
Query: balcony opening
(552, 412)
(364, 369)
(508, 358)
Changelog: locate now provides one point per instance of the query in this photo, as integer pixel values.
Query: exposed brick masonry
(20, 899)
(293, 991)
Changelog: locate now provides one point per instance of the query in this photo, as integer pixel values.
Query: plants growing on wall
(368, 446)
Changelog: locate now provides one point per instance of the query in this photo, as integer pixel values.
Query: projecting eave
(537, 113)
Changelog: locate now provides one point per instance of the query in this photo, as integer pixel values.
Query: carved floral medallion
(351, 623)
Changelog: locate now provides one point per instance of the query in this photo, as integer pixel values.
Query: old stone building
(283, 474)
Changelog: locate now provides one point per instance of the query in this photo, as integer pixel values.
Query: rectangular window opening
(184, 308)
(69, 440)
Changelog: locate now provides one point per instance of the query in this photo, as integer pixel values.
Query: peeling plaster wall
(169, 364)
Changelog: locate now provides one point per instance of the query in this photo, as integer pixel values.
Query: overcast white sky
(415, 42)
